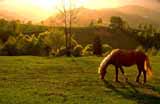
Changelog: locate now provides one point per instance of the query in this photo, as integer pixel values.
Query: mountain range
(132, 14)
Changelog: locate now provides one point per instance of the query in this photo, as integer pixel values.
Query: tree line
(17, 38)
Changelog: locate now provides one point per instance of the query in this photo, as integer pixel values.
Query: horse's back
(127, 57)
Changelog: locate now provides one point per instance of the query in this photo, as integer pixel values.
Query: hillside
(133, 14)
(86, 36)
(147, 14)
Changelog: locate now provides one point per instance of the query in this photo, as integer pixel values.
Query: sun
(45, 4)
(50, 4)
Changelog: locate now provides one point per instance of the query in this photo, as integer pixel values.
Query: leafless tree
(69, 13)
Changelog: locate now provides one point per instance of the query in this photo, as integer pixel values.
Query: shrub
(9, 47)
(61, 52)
(106, 48)
(54, 39)
(74, 43)
(77, 51)
(140, 48)
(88, 50)
(152, 51)
(24, 45)
(40, 48)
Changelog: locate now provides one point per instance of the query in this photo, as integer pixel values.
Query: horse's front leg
(117, 74)
(122, 70)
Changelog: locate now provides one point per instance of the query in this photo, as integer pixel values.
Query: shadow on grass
(145, 94)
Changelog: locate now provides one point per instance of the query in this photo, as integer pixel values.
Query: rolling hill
(86, 35)
(133, 14)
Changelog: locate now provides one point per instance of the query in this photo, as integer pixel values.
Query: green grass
(42, 80)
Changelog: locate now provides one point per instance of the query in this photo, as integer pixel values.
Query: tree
(91, 24)
(99, 21)
(55, 40)
(97, 46)
(69, 16)
(116, 23)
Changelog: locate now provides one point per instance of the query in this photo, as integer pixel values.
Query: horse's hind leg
(145, 77)
(122, 70)
(139, 73)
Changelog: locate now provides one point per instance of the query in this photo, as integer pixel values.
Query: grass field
(43, 80)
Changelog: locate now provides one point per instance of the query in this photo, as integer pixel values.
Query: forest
(17, 38)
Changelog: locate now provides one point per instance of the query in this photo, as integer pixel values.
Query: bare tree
(69, 13)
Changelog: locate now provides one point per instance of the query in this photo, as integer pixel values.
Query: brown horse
(119, 58)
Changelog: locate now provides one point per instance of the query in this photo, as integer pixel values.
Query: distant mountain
(13, 15)
(149, 15)
(8, 15)
(133, 14)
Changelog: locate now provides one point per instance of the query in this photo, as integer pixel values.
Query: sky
(41, 9)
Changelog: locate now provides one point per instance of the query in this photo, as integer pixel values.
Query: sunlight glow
(41, 9)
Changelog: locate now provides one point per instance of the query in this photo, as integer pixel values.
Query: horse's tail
(147, 67)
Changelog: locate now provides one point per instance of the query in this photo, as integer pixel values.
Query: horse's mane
(104, 62)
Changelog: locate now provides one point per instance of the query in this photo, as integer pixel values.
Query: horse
(120, 58)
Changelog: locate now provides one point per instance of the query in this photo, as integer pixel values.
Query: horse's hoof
(117, 81)
(126, 79)
(102, 79)
(144, 83)
(137, 81)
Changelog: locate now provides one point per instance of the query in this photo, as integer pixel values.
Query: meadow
(62, 80)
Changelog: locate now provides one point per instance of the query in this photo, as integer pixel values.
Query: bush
(140, 48)
(88, 50)
(40, 48)
(152, 51)
(54, 39)
(77, 51)
(9, 47)
(106, 48)
(24, 45)
(74, 43)
(61, 52)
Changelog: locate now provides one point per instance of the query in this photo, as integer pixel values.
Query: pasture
(45, 80)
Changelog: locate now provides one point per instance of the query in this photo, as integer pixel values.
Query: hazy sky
(44, 8)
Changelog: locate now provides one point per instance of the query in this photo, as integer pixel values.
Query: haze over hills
(13, 15)
(133, 14)
(8, 15)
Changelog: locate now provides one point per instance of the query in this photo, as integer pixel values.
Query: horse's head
(102, 72)
(103, 66)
